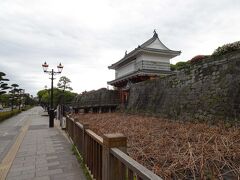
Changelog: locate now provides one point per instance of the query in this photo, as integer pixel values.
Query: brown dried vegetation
(174, 150)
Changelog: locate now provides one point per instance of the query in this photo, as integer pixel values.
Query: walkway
(39, 152)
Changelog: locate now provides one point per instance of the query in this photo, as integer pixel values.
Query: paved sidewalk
(44, 154)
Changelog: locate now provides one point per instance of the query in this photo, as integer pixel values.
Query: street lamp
(52, 73)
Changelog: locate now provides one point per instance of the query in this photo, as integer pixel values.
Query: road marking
(8, 159)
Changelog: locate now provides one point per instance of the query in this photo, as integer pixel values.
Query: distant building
(147, 61)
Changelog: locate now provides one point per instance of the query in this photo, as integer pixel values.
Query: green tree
(3, 84)
(14, 96)
(15, 86)
(64, 83)
(29, 100)
(44, 96)
(5, 99)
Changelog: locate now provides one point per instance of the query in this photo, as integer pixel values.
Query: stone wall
(206, 90)
(97, 98)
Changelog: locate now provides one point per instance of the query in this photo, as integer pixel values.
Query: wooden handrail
(79, 125)
(95, 137)
(130, 163)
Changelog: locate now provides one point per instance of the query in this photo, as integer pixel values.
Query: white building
(149, 60)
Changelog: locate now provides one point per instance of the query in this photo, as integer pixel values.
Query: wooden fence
(106, 157)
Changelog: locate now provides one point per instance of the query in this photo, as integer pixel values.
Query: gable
(157, 44)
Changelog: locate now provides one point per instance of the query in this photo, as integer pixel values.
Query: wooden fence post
(117, 140)
(84, 146)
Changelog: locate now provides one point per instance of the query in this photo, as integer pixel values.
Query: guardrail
(106, 157)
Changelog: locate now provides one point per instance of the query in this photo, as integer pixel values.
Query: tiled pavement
(44, 154)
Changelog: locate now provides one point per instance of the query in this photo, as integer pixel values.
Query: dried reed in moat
(175, 150)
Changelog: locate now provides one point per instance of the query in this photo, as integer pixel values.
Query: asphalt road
(10, 128)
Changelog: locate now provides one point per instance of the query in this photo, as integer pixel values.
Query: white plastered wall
(126, 69)
(157, 44)
(157, 59)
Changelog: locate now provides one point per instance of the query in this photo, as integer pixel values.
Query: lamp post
(52, 73)
(20, 92)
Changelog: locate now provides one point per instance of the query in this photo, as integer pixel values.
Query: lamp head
(60, 68)
(45, 66)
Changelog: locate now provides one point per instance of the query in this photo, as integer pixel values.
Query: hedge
(8, 114)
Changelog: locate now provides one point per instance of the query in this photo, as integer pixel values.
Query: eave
(139, 73)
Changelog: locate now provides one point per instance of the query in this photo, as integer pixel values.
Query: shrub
(197, 59)
(172, 67)
(180, 65)
(226, 48)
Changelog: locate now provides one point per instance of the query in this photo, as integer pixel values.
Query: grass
(80, 160)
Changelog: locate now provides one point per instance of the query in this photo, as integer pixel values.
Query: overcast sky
(86, 36)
